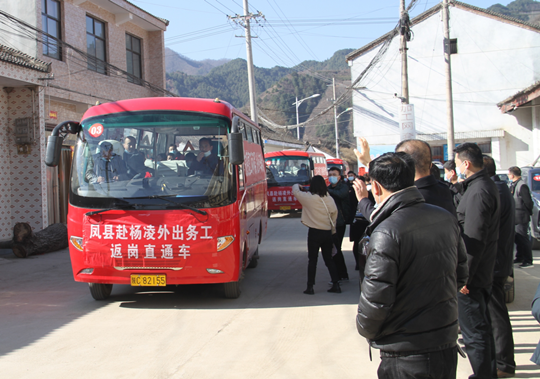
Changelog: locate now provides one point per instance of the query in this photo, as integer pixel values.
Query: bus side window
(256, 136)
(244, 131)
(249, 134)
(240, 176)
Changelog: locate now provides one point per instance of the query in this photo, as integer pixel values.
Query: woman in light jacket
(319, 214)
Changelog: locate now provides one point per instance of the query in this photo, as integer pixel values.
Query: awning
(462, 135)
(520, 98)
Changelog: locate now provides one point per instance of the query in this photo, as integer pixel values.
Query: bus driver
(206, 161)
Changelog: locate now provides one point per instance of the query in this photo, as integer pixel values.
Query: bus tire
(232, 290)
(100, 291)
(254, 260)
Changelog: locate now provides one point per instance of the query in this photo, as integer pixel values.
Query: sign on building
(407, 126)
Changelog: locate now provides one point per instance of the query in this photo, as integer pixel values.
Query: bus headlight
(224, 242)
(77, 242)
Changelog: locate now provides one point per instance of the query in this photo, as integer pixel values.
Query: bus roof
(334, 160)
(292, 153)
(218, 107)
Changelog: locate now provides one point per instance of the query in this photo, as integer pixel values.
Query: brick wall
(23, 184)
(71, 72)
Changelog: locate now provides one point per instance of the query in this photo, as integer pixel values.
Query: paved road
(50, 327)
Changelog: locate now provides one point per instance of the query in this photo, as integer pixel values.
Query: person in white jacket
(319, 214)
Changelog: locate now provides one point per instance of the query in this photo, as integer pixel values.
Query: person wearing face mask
(451, 180)
(339, 191)
(206, 160)
(416, 263)
(478, 215)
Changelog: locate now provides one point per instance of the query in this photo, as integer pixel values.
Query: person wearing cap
(107, 166)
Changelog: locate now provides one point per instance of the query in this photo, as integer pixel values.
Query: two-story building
(58, 58)
(493, 58)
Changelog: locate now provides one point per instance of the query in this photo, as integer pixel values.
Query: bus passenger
(206, 161)
(134, 160)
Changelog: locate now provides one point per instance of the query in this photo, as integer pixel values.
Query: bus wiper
(165, 198)
(115, 207)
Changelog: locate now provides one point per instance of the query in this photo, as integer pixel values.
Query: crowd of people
(433, 255)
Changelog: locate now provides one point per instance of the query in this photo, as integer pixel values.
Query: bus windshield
(287, 170)
(161, 159)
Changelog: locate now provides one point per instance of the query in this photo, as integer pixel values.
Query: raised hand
(363, 155)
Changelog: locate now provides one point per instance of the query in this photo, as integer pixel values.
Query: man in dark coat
(478, 215)
(106, 166)
(340, 193)
(206, 161)
(416, 263)
(500, 322)
(524, 209)
(134, 160)
(433, 190)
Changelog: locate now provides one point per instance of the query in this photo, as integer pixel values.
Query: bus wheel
(269, 213)
(232, 290)
(100, 291)
(254, 260)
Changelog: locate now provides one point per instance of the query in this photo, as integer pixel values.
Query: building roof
(8, 54)
(520, 98)
(166, 22)
(274, 135)
(434, 10)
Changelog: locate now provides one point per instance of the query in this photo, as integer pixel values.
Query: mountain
(525, 10)
(227, 82)
(177, 62)
(277, 89)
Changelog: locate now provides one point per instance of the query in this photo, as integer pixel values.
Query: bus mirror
(55, 141)
(236, 143)
(236, 148)
(54, 149)
(311, 165)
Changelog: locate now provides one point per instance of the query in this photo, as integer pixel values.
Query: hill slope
(177, 62)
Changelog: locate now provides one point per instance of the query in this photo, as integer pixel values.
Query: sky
(292, 30)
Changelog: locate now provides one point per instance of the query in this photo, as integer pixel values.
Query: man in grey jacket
(416, 263)
(524, 207)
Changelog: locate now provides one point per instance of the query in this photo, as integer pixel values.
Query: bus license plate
(148, 280)
(285, 208)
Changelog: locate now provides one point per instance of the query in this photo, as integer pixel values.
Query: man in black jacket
(340, 193)
(434, 191)
(500, 322)
(478, 215)
(416, 263)
(524, 207)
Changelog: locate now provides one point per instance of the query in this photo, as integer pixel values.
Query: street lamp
(337, 140)
(297, 103)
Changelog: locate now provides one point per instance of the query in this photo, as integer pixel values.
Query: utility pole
(335, 118)
(405, 36)
(244, 21)
(449, 99)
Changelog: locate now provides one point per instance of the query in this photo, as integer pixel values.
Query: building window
(95, 45)
(453, 46)
(133, 59)
(50, 20)
(485, 147)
